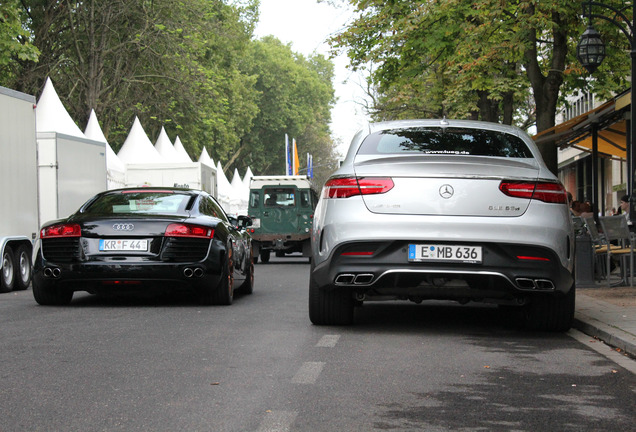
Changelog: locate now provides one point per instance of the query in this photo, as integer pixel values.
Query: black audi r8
(144, 239)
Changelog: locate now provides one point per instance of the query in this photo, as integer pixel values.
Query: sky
(307, 24)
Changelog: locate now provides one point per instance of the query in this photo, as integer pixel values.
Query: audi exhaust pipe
(52, 272)
(193, 272)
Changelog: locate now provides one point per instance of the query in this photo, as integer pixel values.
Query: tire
(51, 296)
(8, 276)
(330, 306)
(23, 268)
(280, 254)
(247, 287)
(265, 256)
(553, 313)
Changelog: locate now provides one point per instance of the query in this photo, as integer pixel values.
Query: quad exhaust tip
(535, 284)
(354, 279)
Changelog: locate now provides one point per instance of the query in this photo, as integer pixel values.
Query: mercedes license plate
(445, 253)
(123, 245)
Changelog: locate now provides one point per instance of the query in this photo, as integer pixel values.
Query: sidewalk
(608, 314)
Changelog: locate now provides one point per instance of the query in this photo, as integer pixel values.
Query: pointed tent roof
(205, 158)
(94, 131)
(248, 177)
(183, 154)
(137, 148)
(51, 116)
(237, 183)
(165, 148)
(223, 184)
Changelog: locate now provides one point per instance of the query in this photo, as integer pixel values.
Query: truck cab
(282, 210)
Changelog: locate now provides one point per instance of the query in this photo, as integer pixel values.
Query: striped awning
(608, 119)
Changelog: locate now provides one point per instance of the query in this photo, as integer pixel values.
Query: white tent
(224, 188)
(72, 168)
(238, 203)
(51, 116)
(137, 148)
(183, 154)
(247, 178)
(165, 148)
(205, 158)
(115, 169)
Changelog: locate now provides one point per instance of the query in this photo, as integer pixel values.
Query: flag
(310, 166)
(296, 160)
(288, 160)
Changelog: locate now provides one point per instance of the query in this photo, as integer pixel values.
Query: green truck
(282, 210)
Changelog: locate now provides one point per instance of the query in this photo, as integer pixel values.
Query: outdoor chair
(616, 229)
(599, 248)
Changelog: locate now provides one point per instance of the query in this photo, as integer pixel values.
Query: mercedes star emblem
(446, 191)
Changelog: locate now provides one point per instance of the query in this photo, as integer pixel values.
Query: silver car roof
(471, 124)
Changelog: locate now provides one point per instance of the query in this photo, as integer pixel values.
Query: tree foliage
(478, 59)
(190, 66)
(15, 40)
(295, 95)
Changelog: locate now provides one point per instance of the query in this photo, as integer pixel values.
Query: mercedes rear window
(140, 203)
(445, 141)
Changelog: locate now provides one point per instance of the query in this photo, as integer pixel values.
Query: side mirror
(244, 221)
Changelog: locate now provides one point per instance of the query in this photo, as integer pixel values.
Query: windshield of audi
(445, 141)
(140, 202)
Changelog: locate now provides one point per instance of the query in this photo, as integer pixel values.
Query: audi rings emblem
(123, 227)
(446, 191)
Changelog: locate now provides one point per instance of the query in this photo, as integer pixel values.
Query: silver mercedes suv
(443, 209)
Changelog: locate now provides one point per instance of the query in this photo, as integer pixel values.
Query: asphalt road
(168, 364)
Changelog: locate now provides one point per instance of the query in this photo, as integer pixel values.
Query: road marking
(308, 373)
(278, 421)
(328, 341)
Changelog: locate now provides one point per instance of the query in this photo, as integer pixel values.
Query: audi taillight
(543, 191)
(61, 230)
(189, 230)
(345, 187)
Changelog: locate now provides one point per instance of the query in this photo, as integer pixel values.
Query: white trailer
(191, 175)
(71, 170)
(19, 223)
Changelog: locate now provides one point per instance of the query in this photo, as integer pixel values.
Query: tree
(475, 58)
(15, 41)
(172, 63)
(295, 95)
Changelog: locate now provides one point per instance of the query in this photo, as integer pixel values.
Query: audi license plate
(445, 253)
(123, 245)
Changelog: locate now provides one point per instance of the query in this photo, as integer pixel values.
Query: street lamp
(591, 51)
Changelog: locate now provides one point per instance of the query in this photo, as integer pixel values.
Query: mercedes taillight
(345, 187)
(549, 192)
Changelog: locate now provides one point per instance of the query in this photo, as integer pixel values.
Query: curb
(612, 336)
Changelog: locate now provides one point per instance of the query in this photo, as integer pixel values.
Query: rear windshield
(140, 203)
(445, 141)
(279, 197)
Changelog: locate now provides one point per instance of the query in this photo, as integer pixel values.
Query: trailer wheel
(23, 268)
(8, 270)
